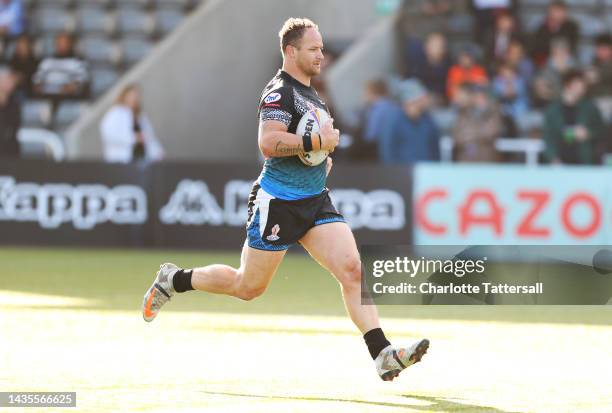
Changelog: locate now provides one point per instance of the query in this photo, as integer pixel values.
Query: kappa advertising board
(489, 205)
(192, 205)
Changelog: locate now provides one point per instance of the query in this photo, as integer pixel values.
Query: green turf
(70, 320)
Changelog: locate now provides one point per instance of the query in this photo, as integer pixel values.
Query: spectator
(24, 63)
(547, 84)
(485, 13)
(600, 74)
(516, 57)
(479, 123)
(572, 124)
(498, 42)
(410, 135)
(10, 116)
(12, 18)
(430, 64)
(465, 71)
(512, 93)
(65, 74)
(374, 118)
(557, 25)
(127, 133)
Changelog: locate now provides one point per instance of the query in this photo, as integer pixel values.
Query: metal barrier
(530, 147)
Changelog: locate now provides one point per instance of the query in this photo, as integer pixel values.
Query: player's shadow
(438, 404)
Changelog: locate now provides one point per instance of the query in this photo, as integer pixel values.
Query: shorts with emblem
(275, 224)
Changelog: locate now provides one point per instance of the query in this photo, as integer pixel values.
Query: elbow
(266, 146)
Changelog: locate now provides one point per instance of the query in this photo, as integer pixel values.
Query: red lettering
(566, 210)
(421, 211)
(526, 227)
(469, 218)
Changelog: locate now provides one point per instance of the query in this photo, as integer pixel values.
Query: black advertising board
(177, 204)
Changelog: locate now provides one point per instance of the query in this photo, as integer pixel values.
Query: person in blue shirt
(411, 134)
(12, 18)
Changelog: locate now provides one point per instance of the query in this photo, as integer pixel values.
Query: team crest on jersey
(272, 97)
(274, 236)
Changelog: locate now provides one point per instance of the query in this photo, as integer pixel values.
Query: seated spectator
(547, 84)
(12, 18)
(10, 116)
(410, 135)
(430, 64)
(24, 64)
(497, 43)
(572, 124)
(65, 74)
(513, 95)
(599, 75)
(127, 133)
(516, 57)
(465, 71)
(557, 25)
(485, 13)
(478, 125)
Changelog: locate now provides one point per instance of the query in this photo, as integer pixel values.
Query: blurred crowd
(62, 76)
(489, 87)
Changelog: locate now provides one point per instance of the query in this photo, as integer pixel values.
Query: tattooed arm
(275, 141)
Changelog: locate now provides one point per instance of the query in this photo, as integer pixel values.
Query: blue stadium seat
(49, 20)
(134, 49)
(94, 20)
(36, 113)
(45, 45)
(172, 3)
(135, 21)
(132, 4)
(68, 111)
(102, 79)
(532, 120)
(99, 49)
(590, 26)
(60, 4)
(168, 19)
(103, 4)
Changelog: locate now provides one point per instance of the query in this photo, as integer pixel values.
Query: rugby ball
(311, 122)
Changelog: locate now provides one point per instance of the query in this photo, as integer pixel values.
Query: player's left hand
(329, 165)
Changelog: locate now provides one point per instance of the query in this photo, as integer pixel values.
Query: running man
(289, 203)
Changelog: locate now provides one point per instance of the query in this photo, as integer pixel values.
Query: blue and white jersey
(286, 100)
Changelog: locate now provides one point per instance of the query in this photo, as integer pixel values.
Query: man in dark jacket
(10, 117)
(573, 124)
(557, 25)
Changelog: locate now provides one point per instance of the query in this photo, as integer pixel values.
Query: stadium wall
(202, 83)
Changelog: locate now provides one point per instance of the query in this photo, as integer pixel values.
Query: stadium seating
(112, 35)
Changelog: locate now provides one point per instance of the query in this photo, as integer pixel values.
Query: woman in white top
(127, 133)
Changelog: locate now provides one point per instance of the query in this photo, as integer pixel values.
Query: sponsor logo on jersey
(274, 236)
(272, 97)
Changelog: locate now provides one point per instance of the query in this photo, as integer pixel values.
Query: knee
(350, 273)
(248, 293)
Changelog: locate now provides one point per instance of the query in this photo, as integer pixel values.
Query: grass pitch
(70, 321)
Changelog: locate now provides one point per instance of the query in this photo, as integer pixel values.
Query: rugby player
(289, 203)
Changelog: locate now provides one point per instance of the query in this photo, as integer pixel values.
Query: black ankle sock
(182, 281)
(376, 341)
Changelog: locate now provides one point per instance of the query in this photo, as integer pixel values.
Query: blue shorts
(276, 224)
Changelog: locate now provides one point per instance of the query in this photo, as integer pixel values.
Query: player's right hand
(329, 136)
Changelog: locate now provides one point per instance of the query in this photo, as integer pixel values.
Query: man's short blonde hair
(292, 31)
